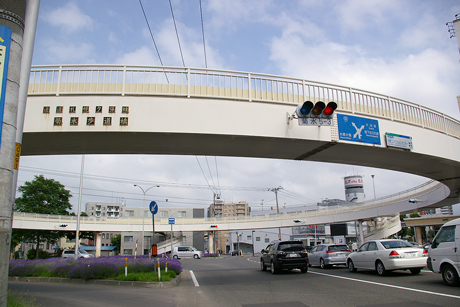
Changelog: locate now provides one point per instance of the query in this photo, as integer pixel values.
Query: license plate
(293, 255)
(411, 255)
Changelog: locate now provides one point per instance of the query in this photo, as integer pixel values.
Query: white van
(444, 253)
(186, 252)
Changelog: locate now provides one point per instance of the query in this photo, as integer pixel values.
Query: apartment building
(222, 210)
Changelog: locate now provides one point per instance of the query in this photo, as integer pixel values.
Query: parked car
(387, 255)
(444, 255)
(70, 254)
(326, 255)
(186, 252)
(416, 244)
(281, 255)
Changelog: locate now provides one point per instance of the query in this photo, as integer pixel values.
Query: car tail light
(394, 254)
(348, 251)
(425, 253)
(329, 252)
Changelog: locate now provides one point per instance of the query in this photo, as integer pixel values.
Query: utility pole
(11, 48)
(277, 207)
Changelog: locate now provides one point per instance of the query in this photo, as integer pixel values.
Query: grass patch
(147, 276)
(14, 299)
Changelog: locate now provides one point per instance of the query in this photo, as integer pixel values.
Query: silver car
(327, 255)
(70, 254)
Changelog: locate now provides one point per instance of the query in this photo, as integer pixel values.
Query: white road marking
(387, 285)
(194, 279)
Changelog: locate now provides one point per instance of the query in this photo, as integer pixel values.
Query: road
(238, 281)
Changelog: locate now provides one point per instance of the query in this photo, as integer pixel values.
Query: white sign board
(398, 141)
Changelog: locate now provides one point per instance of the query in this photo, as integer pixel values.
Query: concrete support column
(418, 234)
(98, 244)
(211, 241)
(11, 18)
(361, 232)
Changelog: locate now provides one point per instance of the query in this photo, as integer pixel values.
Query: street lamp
(143, 214)
(373, 184)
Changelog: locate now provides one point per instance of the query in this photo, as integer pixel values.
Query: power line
(202, 31)
(177, 34)
(153, 39)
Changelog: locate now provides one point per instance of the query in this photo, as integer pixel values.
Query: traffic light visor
(329, 110)
(304, 109)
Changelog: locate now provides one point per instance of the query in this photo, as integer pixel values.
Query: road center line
(194, 279)
(386, 285)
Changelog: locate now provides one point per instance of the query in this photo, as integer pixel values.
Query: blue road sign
(171, 221)
(358, 129)
(153, 207)
(5, 41)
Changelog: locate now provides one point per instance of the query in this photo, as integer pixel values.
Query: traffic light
(319, 109)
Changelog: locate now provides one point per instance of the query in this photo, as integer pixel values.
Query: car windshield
(338, 248)
(291, 247)
(396, 244)
(83, 252)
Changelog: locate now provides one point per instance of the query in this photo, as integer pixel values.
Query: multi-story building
(223, 210)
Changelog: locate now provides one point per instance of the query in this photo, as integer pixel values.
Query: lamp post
(373, 184)
(143, 213)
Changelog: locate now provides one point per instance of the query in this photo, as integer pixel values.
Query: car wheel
(176, 257)
(415, 271)
(351, 266)
(262, 265)
(380, 268)
(272, 268)
(449, 275)
(304, 270)
(196, 256)
(322, 264)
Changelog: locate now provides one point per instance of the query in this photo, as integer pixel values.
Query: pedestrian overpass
(92, 109)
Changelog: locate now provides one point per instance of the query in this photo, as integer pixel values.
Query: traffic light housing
(317, 110)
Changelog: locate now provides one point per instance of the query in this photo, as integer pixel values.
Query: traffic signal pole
(11, 49)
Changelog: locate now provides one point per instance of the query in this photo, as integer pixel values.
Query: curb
(137, 284)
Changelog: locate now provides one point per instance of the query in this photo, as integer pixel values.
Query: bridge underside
(62, 143)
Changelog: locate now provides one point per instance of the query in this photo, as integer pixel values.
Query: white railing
(416, 192)
(224, 84)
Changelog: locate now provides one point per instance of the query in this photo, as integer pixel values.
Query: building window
(127, 252)
(267, 240)
(128, 239)
(129, 213)
(163, 213)
(249, 238)
(103, 236)
(257, 238)
(181, 213)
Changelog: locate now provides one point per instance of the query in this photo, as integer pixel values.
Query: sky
(399, 48)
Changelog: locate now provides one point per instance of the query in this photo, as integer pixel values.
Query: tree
(116, 241)
(42, 196)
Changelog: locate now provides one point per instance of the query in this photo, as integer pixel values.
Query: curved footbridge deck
(187, 111)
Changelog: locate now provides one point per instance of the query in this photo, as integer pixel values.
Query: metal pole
(171, 239)
(373, 184)
(143, 213)
(77, 232)
(11, 21)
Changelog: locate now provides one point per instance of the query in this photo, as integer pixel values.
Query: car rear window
(289, 247)
(338, 248)
(396, 244)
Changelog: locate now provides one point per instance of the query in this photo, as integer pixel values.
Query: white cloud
(141, 56)
(67, 52)
(69, 17)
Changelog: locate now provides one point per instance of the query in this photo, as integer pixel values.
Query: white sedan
(387, 255)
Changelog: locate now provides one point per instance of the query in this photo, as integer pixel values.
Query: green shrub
(31, 253)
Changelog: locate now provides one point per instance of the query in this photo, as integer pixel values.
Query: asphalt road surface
(238, 281)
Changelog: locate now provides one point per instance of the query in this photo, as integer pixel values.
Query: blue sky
(397, 48)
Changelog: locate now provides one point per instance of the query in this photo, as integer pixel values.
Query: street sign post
(171, 222)
(154, 210)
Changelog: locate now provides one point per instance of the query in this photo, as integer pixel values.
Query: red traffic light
(330, 108)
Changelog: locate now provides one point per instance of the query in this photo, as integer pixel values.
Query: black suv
(281, 255)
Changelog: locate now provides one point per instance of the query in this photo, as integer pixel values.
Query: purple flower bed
(211, 255)
(89, 268)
